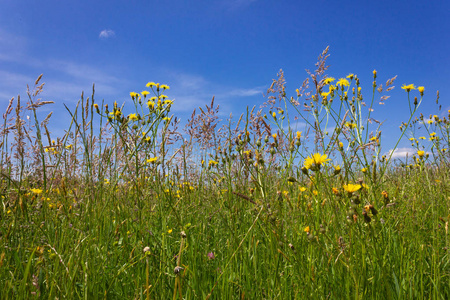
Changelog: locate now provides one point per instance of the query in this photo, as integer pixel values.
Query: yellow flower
(351, 188)
(421, 89)
(343, 82)
(350, 125)
(212, 162)
(132, 117)
(150, 84)
(315, 161)
(299, 134)
(421, 153)
(274, 136)
(315, 193)
(306, 229)
(328, 80)
(145, 93)
(169, 231)
(36, 191)
(335, 191)
(364, 170)
(151, 104)
(169, 102)
(302, 188)
(152, 160)
(164, 87)
(408, 87)
(134, 95)
(350, 76)
(324, 94)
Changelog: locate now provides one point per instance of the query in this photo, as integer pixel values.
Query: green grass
(102, 219)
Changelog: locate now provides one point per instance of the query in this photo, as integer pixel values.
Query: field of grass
(130, 206)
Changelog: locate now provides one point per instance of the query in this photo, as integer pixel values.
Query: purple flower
(211, 255)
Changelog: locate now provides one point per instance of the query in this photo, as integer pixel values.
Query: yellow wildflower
(350, 76)
(421, 89)
(350, 125)
(306, 229)
(421, 153)
(152, 160)
(150, 84)
(408, 87)
(315, 161)
(36, 191)
(145, 93)
(343, 82)
(164, 87)
(328, 80)
(133, 117)
(351, 188)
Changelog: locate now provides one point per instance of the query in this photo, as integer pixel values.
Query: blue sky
(228, 48)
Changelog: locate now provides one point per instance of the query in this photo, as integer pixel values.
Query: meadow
(129, 205)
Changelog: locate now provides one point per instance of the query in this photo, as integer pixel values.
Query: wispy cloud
(401, 153)
(106, 33)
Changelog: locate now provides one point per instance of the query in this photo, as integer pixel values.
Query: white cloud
(401, 153)
(246, 92)
(106, 33)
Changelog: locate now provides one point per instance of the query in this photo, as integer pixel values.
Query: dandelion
(152, 160)
(150, 84)
(168, 102)
(36, 191)
(145, 93)
(421, 153)
(212, 162)
(328, 80)
(421, 89)
(315, 161)
(408, 87)
(350, 76)
(134, 95)
(351, 188)
(343, 82)
(164, 87)
(133, 117)
(337, 169)
(169, 231)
